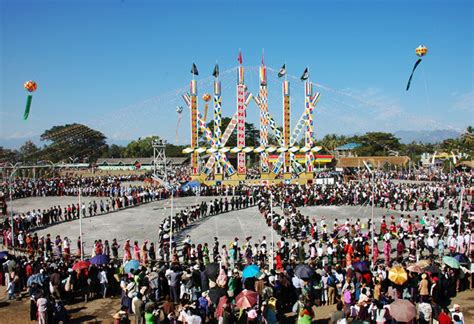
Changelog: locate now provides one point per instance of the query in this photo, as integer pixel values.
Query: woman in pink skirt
(127, 256)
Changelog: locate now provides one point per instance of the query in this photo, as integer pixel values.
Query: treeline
(74, 143)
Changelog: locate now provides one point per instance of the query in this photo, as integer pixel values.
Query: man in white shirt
(102, 276)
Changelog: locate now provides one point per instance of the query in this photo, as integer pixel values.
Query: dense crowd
(244, 282)
(407, 271)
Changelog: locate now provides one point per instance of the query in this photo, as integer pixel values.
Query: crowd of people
(400, 269)
(67, 186)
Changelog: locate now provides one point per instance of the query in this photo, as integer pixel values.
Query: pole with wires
(460, 211)
(271, 228)
(171, 226)
(372, 224)
(80, 225)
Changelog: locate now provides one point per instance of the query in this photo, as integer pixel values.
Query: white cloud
(19, 135)
(464, 102)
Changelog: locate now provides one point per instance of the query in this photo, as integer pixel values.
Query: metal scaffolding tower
(159, 159)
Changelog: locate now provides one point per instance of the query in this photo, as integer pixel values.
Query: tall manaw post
(309, 139)
(217, 125)
(241, 96)
(286, 129)
(263, 96)
(194, 128)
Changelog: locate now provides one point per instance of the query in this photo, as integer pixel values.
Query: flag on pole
(305, 75)
(194, 70)
(215, 73)
(239, 58)
(282, 71)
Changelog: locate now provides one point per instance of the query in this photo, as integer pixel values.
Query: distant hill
(426, 136)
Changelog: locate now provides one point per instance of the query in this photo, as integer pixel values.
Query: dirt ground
(101, 310)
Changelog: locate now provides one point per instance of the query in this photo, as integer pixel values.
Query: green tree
(73, 142)
(251, 134)
(114, 151)
(467, 139)
(175, 150)
(8, 156)
(29, 152)
(330, 141)
(378, 144)
(143, 147)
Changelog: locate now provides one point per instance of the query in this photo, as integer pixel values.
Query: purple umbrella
(100, 259)
(360, 266)
(462, 259)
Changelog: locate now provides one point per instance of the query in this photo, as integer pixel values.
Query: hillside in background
(426, 136)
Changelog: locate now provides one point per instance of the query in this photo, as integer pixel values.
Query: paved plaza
(140, 223)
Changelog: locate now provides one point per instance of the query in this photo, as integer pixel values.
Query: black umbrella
(431, 269)
(215, 294)
(212, 271)
(304, 271)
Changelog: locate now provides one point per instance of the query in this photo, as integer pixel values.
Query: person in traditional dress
(144, 253)
(136, 251)
(127, 255)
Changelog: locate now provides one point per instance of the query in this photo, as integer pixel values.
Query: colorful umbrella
(462, 259)
(402, 310)
(360, 266)
(415, 268)
(100, 259)
(131, 265)
(81, 265)
(397, 275)
(431, 269)
(250, 271)
(220, 306)
(246, 299)
(423, 263)
(451, 262)
(304, 271)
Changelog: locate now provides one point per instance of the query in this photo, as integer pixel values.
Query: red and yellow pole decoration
(194, 129)
(286, 124)
(241, 96)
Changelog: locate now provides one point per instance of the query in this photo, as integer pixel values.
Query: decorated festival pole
(286, 126)
(217, 115)
(194, 129)
(241, 90)
(263, 117)
(309, 128)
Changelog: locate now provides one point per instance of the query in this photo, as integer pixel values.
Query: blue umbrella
(100, 259)
(250, 271)
(462, 259)
(191, 185)
(38, 279)
(132, 264)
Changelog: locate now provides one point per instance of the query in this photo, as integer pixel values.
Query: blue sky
(119, 66)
